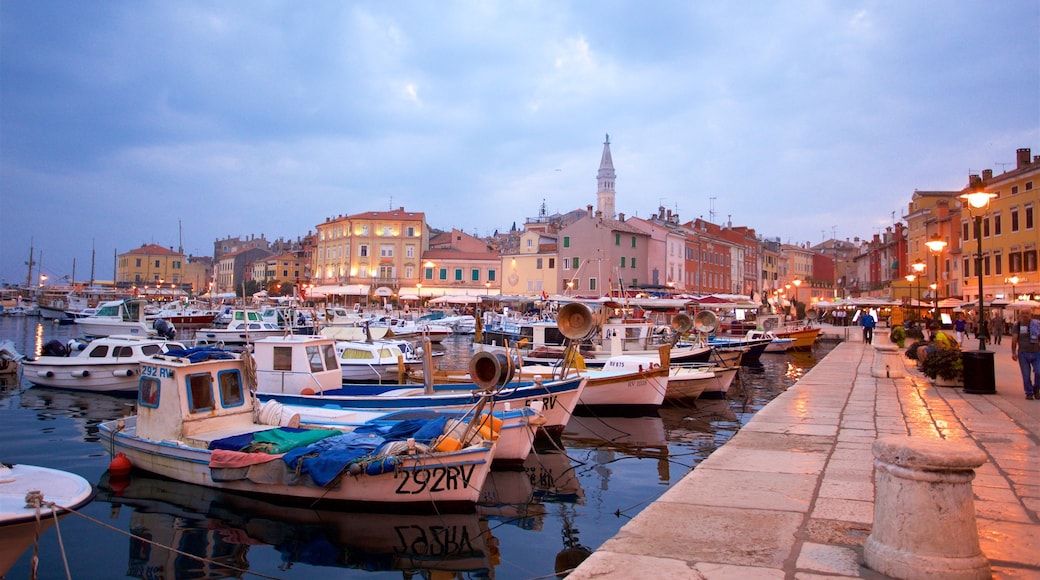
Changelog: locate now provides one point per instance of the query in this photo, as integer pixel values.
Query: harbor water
(534, 522)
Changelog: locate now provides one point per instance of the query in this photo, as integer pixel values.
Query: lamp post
(918, 267)
(936, 245)
(979, 374)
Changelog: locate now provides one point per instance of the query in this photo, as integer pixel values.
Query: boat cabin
(297, 364)
(194, 402)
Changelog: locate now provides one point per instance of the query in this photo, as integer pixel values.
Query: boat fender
(123, 373)
(355, 469)
(119, 466)
(306, 391)
(48, 374)
(81, 373)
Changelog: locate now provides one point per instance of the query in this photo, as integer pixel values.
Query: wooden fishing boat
(304, 371)
(199, 422)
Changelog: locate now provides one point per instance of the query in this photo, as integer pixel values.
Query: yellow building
(1010, 234)
(929, 215)
(151, 264)
(531, 270)
(376, 252)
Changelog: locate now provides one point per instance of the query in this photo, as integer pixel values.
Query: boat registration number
(150, 371)
(434, 479)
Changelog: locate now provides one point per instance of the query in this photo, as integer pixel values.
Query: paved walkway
(792, 494)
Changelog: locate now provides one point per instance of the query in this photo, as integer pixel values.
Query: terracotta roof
(154, 250)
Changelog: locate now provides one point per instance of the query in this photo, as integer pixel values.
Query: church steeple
(605, 183)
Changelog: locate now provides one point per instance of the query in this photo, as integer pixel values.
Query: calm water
(547, 517)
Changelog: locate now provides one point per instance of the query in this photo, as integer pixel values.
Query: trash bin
(979, 378)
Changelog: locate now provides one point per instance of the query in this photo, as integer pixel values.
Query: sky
(134, 122)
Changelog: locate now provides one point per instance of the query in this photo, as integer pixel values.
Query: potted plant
(898, 335)
(944, 366)
(911, 352)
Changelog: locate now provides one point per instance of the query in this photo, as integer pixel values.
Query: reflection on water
(211, 532)
(569, 496)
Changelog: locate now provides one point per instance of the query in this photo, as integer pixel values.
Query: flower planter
(941, 382)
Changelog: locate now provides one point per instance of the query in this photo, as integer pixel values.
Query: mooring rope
(154, 543)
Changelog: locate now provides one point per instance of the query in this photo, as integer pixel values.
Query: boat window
(385, 352)
(200, 392)
(148, 392)
(283, 358)
(356, 354)
(99, 351)
(330, 357)
(122, 352)
(230, 383)
(314, 358)
(151, 349)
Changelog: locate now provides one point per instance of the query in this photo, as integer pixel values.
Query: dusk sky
(124, 123)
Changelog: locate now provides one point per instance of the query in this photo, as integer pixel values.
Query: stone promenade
(792, 494)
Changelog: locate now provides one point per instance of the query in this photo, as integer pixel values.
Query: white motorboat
(32, 498)
(245, 327)
(123, 317)
(103, 365)
(198, 422)
(377, 361)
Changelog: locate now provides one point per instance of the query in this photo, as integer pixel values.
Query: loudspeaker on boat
(575, 321)
(706, 321)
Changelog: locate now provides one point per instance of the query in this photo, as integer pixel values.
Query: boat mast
(28, 277)
(92, 262)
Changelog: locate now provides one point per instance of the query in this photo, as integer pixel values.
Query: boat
(125, 316)
(305, 365)
(775, 343)
(222, 528)
(245, 327)
(32, 499)
(544, 341)
(199, 422)
(802, 337)
(10, 359)
(684, 382)
(752, 347)
(104, 365)
(377, 360)
(616, 388)
(184, 314)
(411, 329)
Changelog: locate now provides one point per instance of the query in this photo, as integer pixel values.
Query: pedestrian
(958, 327)
(996, 328)
(867, 321)
(1025, 348)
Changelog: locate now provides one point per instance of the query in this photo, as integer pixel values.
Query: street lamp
(979, 375)
(918, 267)
(487, 288)
(1013, 280)
(936, 245)
(977, 203)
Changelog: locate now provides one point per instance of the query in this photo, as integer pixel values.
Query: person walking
(958, 326)
(868, 322)
(996, 328)
(1025, 348)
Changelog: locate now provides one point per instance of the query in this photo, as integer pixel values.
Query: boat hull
(718, 387)
(558, 399)
(442, 481)
(66, 373)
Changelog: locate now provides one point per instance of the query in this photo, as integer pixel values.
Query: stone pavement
(792, 494)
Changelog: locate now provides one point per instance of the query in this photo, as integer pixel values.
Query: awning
(342, 290)
(384, 291)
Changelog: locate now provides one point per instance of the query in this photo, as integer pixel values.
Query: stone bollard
(888, 362)
(924, 510)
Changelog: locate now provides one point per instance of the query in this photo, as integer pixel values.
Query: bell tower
(605, 183)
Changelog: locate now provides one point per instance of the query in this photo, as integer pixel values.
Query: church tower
(605, 183)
